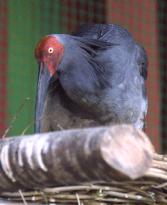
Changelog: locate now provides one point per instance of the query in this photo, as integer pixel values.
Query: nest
(151, 189)
(128, 192)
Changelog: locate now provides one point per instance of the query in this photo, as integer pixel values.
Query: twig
(75, 188)
(27, 127)
(160, 186)
(78, 200)
(22, 196)
(14, 118)
(156, 173)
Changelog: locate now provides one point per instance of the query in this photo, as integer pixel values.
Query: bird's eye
(50, 50)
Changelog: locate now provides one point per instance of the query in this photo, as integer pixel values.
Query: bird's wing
(142, 61)
(107, 35)
(105, 32)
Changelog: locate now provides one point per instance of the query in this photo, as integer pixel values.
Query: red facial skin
(49, 51)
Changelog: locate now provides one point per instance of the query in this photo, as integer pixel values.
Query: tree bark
(74, 156)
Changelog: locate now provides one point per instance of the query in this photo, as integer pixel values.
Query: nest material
(151, 189)
(129, 192)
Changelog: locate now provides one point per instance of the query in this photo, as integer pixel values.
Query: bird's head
(48, 52)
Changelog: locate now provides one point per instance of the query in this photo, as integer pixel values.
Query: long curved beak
(42, 88)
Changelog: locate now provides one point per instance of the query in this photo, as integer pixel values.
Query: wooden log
(73, 156)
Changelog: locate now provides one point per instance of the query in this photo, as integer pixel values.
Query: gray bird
(93, 77)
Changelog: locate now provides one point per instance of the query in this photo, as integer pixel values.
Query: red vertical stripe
(3, 63)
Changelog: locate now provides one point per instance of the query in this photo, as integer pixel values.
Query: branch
(74, 156)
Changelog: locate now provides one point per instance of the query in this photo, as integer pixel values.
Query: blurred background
(24, 22)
